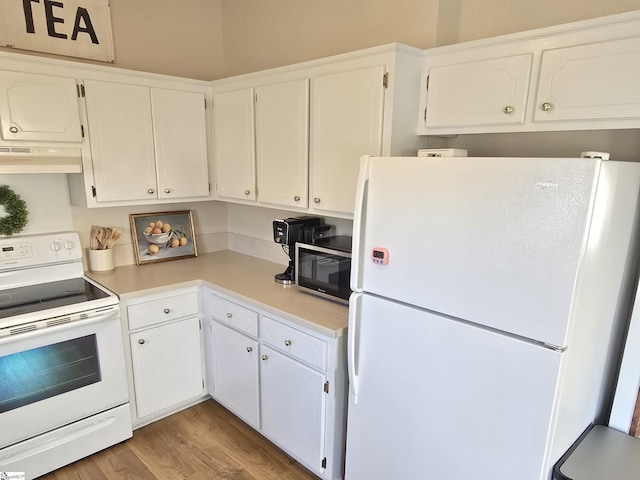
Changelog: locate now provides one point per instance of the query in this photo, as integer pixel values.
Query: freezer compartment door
(497, 241)
(438, 398)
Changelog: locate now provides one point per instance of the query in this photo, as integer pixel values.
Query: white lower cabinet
(286, 381)
(232, 363)
(293, 406)
(166, 360)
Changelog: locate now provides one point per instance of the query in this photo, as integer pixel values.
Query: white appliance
(63, 385)
(490, 298)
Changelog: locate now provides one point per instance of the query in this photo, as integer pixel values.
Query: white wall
(209, 222)
(251, 230)
(47, 199)
(623, 145)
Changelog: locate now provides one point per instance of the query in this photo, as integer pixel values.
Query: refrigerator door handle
(359, 224)
(353, 333)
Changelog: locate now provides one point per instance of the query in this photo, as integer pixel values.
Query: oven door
(56, 375)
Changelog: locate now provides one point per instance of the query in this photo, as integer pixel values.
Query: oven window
(33, 375)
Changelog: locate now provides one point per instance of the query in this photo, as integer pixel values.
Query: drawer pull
(141, 341)
(249, 349)
(167, 311)
(229, 315)
(265, 357)
(287, 343)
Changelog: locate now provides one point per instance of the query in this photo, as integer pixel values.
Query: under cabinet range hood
(40, 160)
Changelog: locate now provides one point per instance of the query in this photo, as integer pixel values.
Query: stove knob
(69, 245)
(55, 246)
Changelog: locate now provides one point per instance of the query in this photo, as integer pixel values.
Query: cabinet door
(590, 82)
(282, 143)
(233, 144)
(346, 122)
(232, 360)
(180, 138)
(293, 407)
(121, 137)
(39, 107)
(167, 365)
(487, 92)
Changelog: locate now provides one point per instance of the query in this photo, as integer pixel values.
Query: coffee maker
(287, 232)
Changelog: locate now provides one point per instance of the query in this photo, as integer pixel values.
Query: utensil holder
(101, 260)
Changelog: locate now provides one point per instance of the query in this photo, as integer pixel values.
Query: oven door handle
(58, 324)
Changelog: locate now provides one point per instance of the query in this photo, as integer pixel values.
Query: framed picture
(162, 236)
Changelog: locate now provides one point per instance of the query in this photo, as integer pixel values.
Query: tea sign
(75, 28)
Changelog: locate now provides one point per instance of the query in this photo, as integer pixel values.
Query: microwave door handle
(359, 224)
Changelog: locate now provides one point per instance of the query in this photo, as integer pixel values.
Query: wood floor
(202, 442)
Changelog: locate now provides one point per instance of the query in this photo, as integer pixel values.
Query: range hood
(40, 160)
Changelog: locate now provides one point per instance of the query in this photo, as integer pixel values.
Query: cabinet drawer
(157, 311)
(233, 314)
(297, 344)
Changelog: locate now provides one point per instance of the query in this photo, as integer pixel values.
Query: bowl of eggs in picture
(158, 233)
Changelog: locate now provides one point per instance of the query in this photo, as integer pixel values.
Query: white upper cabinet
(579, 76)
(282, 143)
(487, 92)
(146, 143)
(260, 137)
(234, 144)
(121, 134)
(39, 108)
(346, 122)
(180, 139)
(304, 128)
(590, 82)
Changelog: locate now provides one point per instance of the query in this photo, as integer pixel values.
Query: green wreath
(16, 211)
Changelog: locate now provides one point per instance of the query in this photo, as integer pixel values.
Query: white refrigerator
(490, 300)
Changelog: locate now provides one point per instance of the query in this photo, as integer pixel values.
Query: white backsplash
(123, 252)
(256, 247)
(213, 242)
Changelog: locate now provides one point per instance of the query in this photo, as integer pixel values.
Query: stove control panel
(16, 250)
(39, 250)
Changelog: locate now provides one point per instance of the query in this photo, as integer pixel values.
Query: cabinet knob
(229, 314)
(287, 343)
(247, 192)
(546, 106)
(316, 200)
(167, 190)
(13, 129)
(265, 357)
(167, 311)
(508, 109)
(249, 349)
(296, 198)
(141, 341)
(151, 191)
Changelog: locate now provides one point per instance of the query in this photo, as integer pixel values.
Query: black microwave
(324, 267)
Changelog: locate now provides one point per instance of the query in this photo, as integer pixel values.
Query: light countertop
(248, 279)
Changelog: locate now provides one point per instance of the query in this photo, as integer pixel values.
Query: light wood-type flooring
(202, 442)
